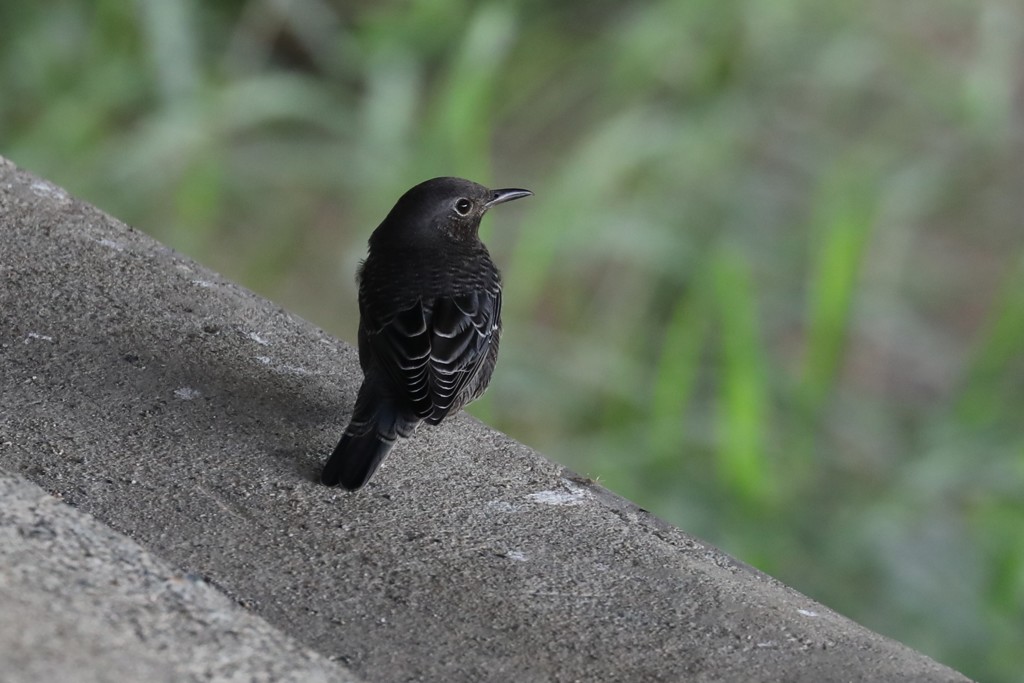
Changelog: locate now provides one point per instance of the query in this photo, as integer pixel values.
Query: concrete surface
(193, 416)
(79, 602)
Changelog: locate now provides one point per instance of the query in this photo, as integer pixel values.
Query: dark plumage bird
(430, 319)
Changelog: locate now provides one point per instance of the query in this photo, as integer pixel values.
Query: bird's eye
(462, 206)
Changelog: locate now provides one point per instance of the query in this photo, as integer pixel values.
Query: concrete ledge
(192, 416)
(79, 602)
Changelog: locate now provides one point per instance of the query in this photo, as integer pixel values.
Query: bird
(429, 321)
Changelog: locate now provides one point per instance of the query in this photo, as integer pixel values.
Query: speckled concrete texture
(193, 416)
(79, 602)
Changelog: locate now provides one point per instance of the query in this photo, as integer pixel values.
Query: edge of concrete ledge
(80, 602)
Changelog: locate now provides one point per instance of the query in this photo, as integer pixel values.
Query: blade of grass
(170, 28)
(676, 375)
(843, 218)
(457, 139)
(743, 392)
(1000, 345)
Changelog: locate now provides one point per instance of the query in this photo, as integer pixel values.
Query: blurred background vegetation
(771, 286)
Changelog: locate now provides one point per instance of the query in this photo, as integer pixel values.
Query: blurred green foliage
(771, 286)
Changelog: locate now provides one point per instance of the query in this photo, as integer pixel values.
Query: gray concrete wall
(192, 416)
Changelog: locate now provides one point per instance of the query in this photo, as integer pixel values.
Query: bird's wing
(434, 348)
(464, 328)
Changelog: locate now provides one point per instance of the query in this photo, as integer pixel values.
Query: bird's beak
(506, 195)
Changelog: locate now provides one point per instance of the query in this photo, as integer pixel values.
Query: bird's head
(450, 208)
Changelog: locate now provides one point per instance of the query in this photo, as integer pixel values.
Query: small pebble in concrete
(571, 495)
(110, 244)
(258, 339)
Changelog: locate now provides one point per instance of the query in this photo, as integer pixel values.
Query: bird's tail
(364, 444)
